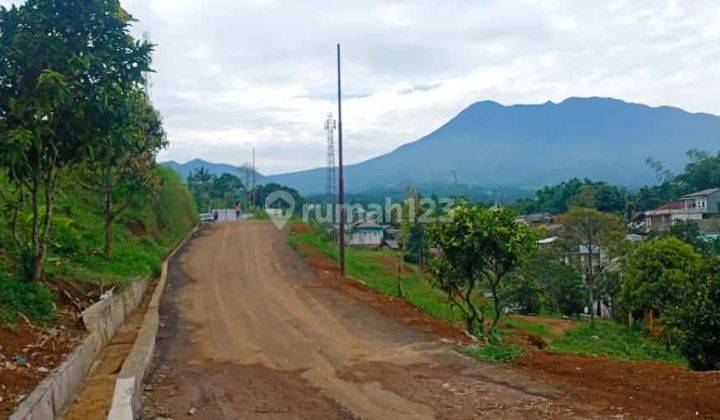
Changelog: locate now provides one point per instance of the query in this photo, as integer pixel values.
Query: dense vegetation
(82, 199)
(702, 172)
(228, 191)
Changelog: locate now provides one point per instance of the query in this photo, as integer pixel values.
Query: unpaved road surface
(249, 331)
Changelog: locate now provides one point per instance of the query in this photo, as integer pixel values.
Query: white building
(695, 207)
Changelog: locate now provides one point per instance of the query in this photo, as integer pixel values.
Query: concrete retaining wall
(57, 392)
(128, 385)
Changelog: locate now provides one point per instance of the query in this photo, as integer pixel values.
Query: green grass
(75, 253)
(509, 324)
(365, 265)
(613, 340)
(495, 350)
(606, 339)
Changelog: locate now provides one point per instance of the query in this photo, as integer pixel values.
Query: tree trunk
(400, 292)
(41, 247)
(496, 304)
(109, 219)
(16, 218)
(474, 316)
(108, 236)
(589, 281)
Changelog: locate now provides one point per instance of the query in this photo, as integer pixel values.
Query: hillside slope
(184, 169)
(489, 144)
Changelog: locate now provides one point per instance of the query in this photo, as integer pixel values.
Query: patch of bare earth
(641, 389)
(28, 354)
(611, 387)
(398, 309)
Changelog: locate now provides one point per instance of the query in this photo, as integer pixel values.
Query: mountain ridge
(531, 145)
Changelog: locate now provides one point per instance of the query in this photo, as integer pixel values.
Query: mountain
(492, 145)
(184, 169)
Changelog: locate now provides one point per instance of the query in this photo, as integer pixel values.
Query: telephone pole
(341, 179)
(253, 178)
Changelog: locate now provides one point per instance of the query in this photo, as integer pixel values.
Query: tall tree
(657, 274)
(200, 184)
(479, 248)
(120, 167)
(57, 58)
(697, 319)
(590, 230)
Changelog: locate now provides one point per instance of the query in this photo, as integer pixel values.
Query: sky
(233, 74)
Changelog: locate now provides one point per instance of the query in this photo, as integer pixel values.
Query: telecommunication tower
(330, 127)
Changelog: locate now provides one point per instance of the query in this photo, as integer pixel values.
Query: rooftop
(703, 193)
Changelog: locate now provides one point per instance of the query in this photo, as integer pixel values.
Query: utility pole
(254, 194)
(341, 179)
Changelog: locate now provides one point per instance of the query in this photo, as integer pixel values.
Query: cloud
(232, 73)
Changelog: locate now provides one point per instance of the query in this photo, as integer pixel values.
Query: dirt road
(249, 331)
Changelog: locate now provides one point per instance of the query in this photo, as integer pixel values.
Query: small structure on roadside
(366, 234)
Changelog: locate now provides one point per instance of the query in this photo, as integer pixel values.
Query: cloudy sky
(236, 73)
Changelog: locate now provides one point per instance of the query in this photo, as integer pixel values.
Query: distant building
(705, 201)
(694, 207)
(366, 234)
(581, 256)
(547, 241)
(546, 220)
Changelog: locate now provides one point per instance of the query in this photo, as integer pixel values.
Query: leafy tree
(263, 191)
(576, 193)
(200, 183)
(703, 171)
(592, 230)
(120, 168)
(687, 231)
(658, 273)
(413, 230)
(57, 60)
(697, 319)
(479, 248)
(227, 185)
(544, 283)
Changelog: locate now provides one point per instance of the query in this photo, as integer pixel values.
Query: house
(366, 234)
(694, 207)
(580, 257)
(546, 220)
(705, 202)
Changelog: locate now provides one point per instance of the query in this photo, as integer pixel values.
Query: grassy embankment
(143, 237)
(606, 339)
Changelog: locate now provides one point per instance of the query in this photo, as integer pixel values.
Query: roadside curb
(54, 396)
(128, 385)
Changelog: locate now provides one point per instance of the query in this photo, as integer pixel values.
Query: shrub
(697, 321)
(30, 298)
(496, 349)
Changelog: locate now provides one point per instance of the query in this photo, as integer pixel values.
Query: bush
(32, 299)
(544, 284)
(697, 321)
(496, 349)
